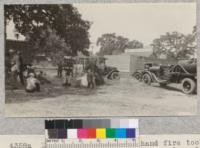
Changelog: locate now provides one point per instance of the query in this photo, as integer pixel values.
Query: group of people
(26, 76)
(18, 70)
(87, 76)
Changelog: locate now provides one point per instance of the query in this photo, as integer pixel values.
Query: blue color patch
(130, 133)
(120, 133)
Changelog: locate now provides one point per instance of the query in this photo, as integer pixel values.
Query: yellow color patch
(101, 133)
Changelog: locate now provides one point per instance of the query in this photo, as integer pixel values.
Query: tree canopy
(51, 44)
(175, 45)
(65, 20)
(110, 44)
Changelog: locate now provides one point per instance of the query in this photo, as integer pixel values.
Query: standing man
(69, 70)
(91, 78)
(91, 71)
(18, 61)
(21, 68)
(60, 69)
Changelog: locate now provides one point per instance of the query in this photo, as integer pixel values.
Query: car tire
(115, 76)
(146, 79)
(188, 86)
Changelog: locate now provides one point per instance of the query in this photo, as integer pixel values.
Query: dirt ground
(124, 97)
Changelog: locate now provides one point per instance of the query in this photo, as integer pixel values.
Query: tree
(194, 31)
(64, 19)
(194, 37)
(54, 46)
(111, 43)
(134, 44)
(174, 45)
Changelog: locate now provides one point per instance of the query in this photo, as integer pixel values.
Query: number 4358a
(20, 145)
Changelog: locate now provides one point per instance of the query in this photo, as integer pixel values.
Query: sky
(136, 21)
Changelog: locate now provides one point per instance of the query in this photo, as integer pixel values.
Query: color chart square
(110, 133)
(130, 133)
(124, 123)
(133, 123)
(72, 133)
(49, 124)
(91, 133)
(62, 133)
(120, 133)
(78, 124)
(69, 124)
(52, 133)
(82, 133)
(59, 124)
(101, 133)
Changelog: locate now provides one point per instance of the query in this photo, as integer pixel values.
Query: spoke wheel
(146, 79)
(188, 86)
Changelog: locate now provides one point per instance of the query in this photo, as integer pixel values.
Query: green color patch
(110, 133)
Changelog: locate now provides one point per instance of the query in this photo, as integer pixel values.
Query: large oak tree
(65, 20)
(175, 45)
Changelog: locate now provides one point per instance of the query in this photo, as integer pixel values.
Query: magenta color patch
(82, 133)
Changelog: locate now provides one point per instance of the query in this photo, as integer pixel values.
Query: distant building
(134, 59)
(145, 52)
(122, 62)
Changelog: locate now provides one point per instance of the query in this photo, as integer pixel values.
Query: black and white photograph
(100, 59)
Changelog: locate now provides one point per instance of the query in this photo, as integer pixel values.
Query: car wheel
(115, 76)
(146, 79)
(188, 86)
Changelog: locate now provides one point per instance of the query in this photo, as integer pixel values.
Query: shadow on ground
(53, 89)
(171, 88)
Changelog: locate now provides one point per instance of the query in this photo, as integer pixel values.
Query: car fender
(114, 70)
(137, 72)
(149, 73)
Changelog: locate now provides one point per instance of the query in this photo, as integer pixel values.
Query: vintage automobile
(184, 73)
(109, 72)
(139, 72)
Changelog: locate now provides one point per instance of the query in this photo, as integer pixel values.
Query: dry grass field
(126, 97)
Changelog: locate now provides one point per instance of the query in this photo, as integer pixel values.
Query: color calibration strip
(91, 129)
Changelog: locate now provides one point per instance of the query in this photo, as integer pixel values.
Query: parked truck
(184, 73)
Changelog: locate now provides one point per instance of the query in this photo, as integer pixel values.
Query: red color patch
(92, 133)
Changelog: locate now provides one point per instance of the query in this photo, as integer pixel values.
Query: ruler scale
(94, 144)
(91, 133)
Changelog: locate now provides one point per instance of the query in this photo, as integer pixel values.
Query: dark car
(139, 72)
(183, 73)
(111, 73)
